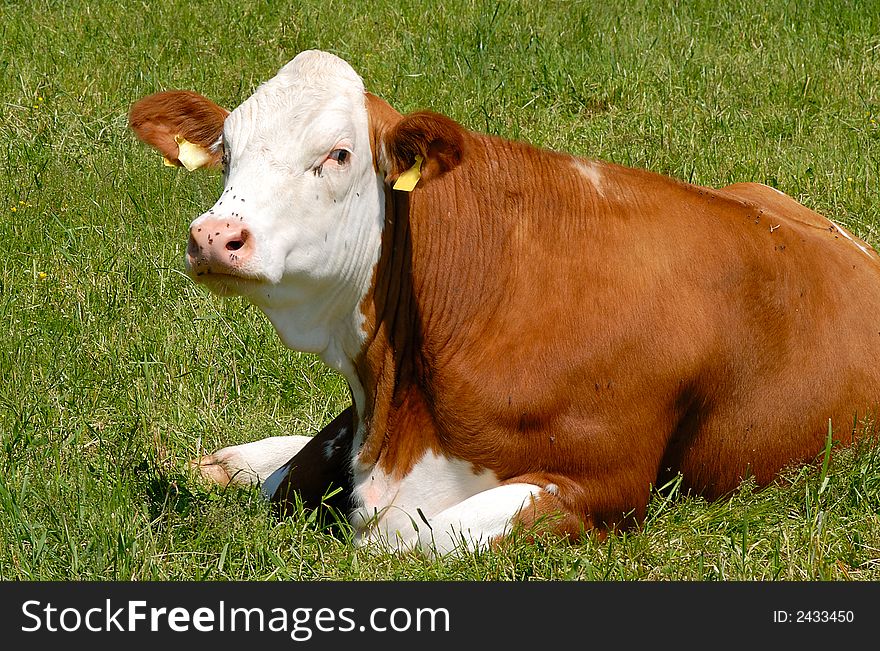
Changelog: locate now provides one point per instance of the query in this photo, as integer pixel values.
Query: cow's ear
(436, 140)
(184, 126)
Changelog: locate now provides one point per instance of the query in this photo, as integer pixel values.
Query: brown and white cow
(529, 337)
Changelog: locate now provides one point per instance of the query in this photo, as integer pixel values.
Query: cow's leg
(484, 518)
(320, 473)
(250, 463)
(284, 466)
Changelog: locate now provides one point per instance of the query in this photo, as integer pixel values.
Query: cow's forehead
(316, 67)
(307, 86)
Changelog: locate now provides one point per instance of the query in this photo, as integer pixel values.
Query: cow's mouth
(222, 282)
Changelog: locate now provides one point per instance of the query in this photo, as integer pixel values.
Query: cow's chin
(226, 284)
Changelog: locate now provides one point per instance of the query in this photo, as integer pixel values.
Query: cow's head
(306, 161)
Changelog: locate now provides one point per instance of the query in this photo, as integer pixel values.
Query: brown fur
(605, 339)
(157, 119)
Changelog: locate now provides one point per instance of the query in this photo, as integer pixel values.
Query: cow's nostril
(236, 243)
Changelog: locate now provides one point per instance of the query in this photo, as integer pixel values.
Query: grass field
(115, 369)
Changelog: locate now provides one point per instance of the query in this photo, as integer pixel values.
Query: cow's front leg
(289, 467)
(475, 522)
(250, 463)
(320, 474)
(489, 516)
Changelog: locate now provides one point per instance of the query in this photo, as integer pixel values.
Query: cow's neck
(387, 362)
(448, 259)
(409, 312)
(327, 319)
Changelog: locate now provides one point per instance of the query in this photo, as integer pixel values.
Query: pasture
(116, 370)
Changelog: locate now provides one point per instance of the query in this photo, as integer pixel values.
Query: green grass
(115, 370)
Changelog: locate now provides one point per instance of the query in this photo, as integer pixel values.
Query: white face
(298, 226)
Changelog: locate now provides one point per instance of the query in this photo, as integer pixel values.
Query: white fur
(316, 226)
(392, 509)
(257, 462)
(852, 239)
(592, 173)
(472, 523)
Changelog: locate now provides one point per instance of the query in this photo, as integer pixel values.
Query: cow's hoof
(211, 469)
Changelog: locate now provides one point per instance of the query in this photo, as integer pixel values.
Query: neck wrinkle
(386, 360)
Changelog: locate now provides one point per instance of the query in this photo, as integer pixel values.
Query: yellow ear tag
(407, 181)
(190, 155)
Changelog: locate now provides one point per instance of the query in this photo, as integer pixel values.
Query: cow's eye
(340, 155)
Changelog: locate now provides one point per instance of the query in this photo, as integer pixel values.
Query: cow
(533, 341)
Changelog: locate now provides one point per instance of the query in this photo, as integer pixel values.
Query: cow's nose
(218, 246)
